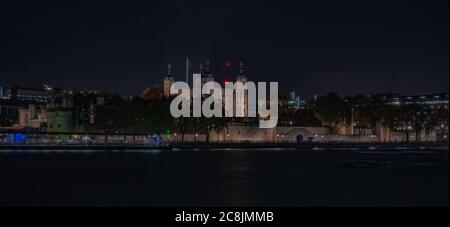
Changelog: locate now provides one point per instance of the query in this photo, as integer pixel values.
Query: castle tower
(168, 81)
(207, 76)
(208, 67)
(241, 77)
(227, 72)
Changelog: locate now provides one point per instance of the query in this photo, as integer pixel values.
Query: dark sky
(312, 47)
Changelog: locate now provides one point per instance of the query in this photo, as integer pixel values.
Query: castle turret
(241, 77)
(207, 76)
(168, 81)
(208, 67)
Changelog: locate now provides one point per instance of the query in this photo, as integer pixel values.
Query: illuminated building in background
(291, 101)
(438, 100)
(302, 104)
(9, 112)
(1, 92)
(59, 120)
(38, 95)
(294, 102)
(25, 108)
(168, 81)
(65, 101)
(34, 117)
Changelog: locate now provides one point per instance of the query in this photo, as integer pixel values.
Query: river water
(222, 177)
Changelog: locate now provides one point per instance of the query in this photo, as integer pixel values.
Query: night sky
(312, 47)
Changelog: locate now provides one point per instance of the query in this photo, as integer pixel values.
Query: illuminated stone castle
(208, 76)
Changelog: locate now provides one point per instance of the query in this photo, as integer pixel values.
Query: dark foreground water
(220, 178)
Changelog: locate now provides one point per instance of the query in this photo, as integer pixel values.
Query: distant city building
(64, 101)
(26, 107)
(29, 94)
(1, 92)
(438, 100)
(33, 117)
(9, 112)
(292, 96)
(126, 96)
(294, 102)
(302, 104)
(59, 120)
(84, 106)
